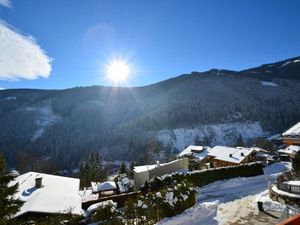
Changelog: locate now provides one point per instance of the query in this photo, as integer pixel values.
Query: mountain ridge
(122, 123)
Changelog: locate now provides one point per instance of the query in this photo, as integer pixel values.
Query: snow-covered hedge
(204, 177)
(170, 201)
(148, 208)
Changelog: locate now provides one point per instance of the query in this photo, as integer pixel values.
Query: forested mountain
(212, 107)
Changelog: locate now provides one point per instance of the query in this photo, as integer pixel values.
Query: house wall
(291, 140)
(140, 179)
(249, 158)
(220, 163)
(176, 165)
(180, 164)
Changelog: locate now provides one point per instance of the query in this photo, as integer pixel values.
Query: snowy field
(228, 201)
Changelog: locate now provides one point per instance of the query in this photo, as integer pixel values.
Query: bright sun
(118, 71)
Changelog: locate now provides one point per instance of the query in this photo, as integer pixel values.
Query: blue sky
(159, 39)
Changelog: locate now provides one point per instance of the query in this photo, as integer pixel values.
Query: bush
(169, 201)
(107, 214)
(149, 208)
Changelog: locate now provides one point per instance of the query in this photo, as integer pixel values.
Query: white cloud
(1, 88)
(20, 56)
(6, 3)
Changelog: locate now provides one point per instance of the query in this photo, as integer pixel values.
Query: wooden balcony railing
(294, 189)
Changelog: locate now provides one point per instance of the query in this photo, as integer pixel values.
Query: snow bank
(235, 211)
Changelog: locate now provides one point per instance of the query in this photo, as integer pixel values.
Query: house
(145, 173)
(198, 152)
(47, 194)
(289, 152)
(263, 155)
(104, 189)
(292, 135)
(228, 156)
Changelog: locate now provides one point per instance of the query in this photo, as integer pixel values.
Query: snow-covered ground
(10, 98)
(268, 83)
(221, 134)
(229, 201)
(46, 119)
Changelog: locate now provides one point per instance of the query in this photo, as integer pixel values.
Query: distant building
(200, 153)
(47, 194)
(145, 173)
(292, 135)
(228, 156)
(104, 188)
(289, 152)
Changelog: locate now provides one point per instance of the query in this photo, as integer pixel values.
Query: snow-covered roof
(200, 152)
(105, 186)
(292, 149)
(275, 137)
(264, 155)
(293, 182)
(293, 131)
(57, 195)
(223, 153)
(139, 169)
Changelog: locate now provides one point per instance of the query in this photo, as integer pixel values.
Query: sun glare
(118, 71)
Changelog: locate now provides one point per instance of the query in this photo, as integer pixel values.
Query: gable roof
(293, 131)
(57, 195)
(238, 154)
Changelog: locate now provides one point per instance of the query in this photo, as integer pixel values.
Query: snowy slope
(211, 197)
(220, 134)
(45, 119)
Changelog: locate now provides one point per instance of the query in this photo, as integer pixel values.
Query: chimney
(230, 155)
(242, 153)
(157, 164)
(38, 182)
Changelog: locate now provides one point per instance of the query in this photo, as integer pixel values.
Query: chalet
(292, 135)
(47, 194)
(289, 152)
(263, 155)
(200, 153)
(228, 156)
(145, 173)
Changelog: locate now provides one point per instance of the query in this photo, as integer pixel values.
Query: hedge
(203, 177)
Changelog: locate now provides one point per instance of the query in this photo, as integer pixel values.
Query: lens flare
(118, 71)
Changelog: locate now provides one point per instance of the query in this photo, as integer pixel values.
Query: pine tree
(123, 169)
(91, 170)
(8, 205)
(131, 170)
